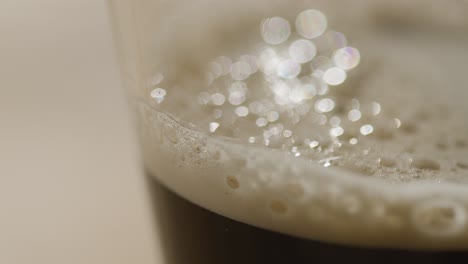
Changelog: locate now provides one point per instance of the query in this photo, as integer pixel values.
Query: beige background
(71, 188)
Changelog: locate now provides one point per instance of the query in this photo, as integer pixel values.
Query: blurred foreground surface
(71, 189)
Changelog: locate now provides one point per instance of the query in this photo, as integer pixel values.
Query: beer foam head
(319, 133)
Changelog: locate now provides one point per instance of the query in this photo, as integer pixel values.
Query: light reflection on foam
(158, 94)
(282, 93)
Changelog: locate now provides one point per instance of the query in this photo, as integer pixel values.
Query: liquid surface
(287, 124)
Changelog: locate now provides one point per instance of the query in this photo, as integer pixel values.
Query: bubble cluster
(263, 95)
(290, 91)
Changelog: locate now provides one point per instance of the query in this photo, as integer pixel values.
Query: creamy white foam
(374, 152)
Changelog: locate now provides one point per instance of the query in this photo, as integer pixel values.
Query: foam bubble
(278, 207)
(311, 23)
(261, 122)
(232, 182)
(213, 126)
(425, 164)
(242, 111)
(158, 94)
(354, 115)
(302, 51)
(334, 76)
(288, 69)
(275, 30)
(347, 58)
(366, 129)
(439, 217)
(324, 105)
(218, 99)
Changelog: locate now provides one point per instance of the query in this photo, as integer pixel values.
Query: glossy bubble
(346, 58)
(218, 99)
(242, 111)
(261, 122)
(376, 108)
(302, 51)
(236, 98)
(311, 23)
(334, 76)
(272, 116)
(309, 91)
(296, 96)
(366, 129)
(158, 94)
(354, 115)
(336, 131)
(275, 30)
(213, 126)
(268, 61)
(288, 69)
(324, 105)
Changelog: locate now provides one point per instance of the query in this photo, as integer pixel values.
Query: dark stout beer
(192, 234)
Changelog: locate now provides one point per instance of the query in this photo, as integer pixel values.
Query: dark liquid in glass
(191, 234)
